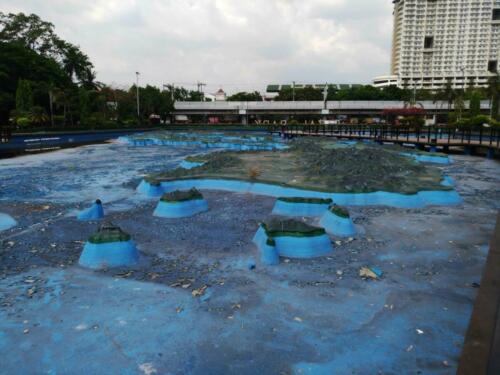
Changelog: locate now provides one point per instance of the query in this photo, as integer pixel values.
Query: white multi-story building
(441, 41)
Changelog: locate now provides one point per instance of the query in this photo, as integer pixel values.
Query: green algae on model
(290, 228)
(109, 233)
(182, 196)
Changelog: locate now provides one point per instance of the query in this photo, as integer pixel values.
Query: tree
(24, 96)
(493, 92)
(245, 97)
(475, 104)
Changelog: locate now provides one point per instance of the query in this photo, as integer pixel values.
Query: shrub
(254, 172)
(23, 121)
(478, 121)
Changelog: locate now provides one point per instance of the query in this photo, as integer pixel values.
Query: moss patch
(182, 196)
(339, 211)
(305, 200)
(290, 228)
(109, 233)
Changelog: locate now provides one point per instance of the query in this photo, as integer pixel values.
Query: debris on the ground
(179, 309)
(374, 273)
(297, 319)
(31, 291)
(420, 332)
(124, 274)
(199, 292)
(410, 348)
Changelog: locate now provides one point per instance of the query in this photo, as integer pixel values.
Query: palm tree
(38, 116)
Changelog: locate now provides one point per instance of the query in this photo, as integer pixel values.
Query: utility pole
(462, 69)
(137, 94)
(200, 90)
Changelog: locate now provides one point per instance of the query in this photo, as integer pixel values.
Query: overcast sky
(236, 44)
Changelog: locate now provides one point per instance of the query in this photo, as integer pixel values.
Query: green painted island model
(315, 165)
(290, 238)
(109, 247)
(181, 203)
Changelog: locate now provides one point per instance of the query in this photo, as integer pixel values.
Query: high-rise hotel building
(440, 41)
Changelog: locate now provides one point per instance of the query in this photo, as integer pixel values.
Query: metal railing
(488, 137)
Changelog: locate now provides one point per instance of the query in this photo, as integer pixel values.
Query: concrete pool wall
(418, 200)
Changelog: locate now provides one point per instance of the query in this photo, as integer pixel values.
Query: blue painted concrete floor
(193, 306)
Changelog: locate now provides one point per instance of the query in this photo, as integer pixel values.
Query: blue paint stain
(429, 158)
(190, 164)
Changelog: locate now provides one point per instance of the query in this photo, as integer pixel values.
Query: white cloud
(241, 45)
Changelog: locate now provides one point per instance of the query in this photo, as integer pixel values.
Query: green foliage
(475, 104)
(24, 95)
(339, 211)
(23, 122)
(478, 121)
(182, 196)
(305, 200)
(245, 97)
(290, 228)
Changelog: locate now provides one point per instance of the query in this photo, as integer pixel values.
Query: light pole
(137, 94)
(462, 69)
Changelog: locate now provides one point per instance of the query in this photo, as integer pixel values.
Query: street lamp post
(462, 69)
(137, 94)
